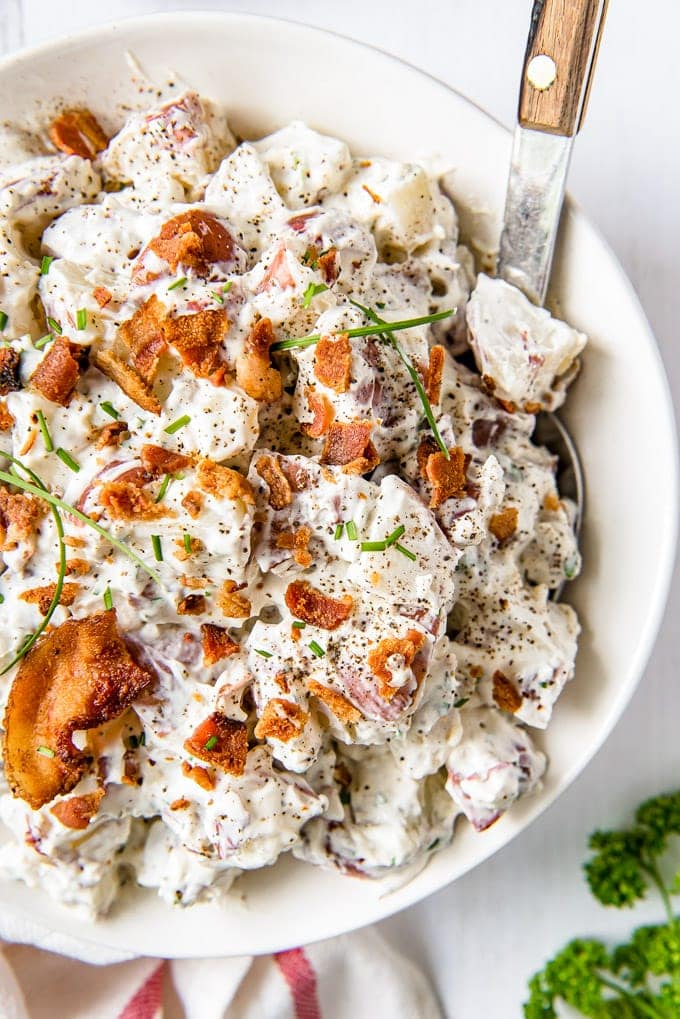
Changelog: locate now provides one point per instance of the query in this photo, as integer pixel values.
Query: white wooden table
(481, 938)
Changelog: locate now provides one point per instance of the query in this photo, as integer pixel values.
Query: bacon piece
(144, 337)
(129, 380)
(199, 340)
(254, 372)
(78, 566)
(77, 811)
(349, 445)
(102, 296)
(343, 709)
(10, 377)
(195, 239)
(232, 604)
(191, 605)
(406, 647)
(504, 524)
(216, 643)
(181, 804)
(201, 776)
(315, 607)
(193, 503)
(220, 741)
(112, 435)
(19, 515)
(193, 582)
(42, 596)
(6, 419)
(77, 132)
(551, 502)
(57, 374)
(434, 373)
(333, 362)
(157, 460)
(426, 447)
(447, 477)
(323, 411)
(280, 492)
(297, 542)
(326, 261)
(282, 720)
(505, 693)
(223, 482)
(124, 500)
(78, 676)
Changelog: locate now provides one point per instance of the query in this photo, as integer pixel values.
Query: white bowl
(269, 72)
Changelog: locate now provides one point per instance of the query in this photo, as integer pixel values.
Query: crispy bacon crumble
(313, 606)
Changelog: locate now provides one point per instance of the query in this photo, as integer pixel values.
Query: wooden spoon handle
(564, 40)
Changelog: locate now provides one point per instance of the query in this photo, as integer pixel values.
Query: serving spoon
(562, 48)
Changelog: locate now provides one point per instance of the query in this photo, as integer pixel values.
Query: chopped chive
(165, 484)
(338, 532)
(45, 751)
(373, 546)
(310, 293)
(176, 425)
(178, 283)
(380, 304)
(433, 845)
(142, 739)
(393, 327)
(157, 548)
(299, 624)
(388, 336)
(43, 341)
(2, 598)
(108, 599)
(227, 286)
(47, 438)
(67, 459)
(45, 264)
(4, 319)
(460, 702)
(187, 544)
(264, 654)
(316, 649)
(405, 551)
(212, 743)
(81, 318)
(351, 528)
(54, 325)
(109, 409)
(396, 533)
(217, 297)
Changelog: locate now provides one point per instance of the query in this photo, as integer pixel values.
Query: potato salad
(277, 550)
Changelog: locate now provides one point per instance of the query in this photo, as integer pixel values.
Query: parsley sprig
(640, 978)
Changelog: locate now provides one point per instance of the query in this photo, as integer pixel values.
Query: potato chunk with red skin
(315, 607)
(77, 677)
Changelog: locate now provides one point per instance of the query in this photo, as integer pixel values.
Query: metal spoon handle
(563, 44)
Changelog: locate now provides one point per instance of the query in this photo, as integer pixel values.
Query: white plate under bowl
(269, 72)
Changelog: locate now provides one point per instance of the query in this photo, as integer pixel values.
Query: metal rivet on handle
(541, 72)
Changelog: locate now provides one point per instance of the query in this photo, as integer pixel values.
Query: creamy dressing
(367, 737)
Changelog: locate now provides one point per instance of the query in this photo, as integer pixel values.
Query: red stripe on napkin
(301, 979)
(146, 1002)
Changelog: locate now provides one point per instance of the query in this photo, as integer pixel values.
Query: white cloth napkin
(352, 977)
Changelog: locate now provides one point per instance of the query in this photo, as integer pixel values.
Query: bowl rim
(413, 893)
